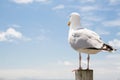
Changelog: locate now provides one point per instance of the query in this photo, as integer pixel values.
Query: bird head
(74, 19)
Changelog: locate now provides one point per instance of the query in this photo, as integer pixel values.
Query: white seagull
(84, 40)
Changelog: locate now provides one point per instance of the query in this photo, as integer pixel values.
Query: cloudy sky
(33, 38)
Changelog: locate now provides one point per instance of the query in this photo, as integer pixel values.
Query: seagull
(84, 40)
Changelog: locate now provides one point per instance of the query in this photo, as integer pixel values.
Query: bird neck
(75, 23)
(75, 26)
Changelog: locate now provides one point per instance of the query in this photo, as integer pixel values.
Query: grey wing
(87, 39)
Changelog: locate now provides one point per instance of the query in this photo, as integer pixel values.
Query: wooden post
(84, 75)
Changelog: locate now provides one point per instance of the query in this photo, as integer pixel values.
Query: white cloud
(104, 67)
(30, 1)
(43, 1)
(58, 7)
(88, 8)
(112, 23)
(86, 24)
(102, 32)
(118, 33)
(73, 64)
(92, 18)
(2, 36)
(115, 43)
(85, 1)
(114, 2)
(11, 34)
(23, 1)
(67, 63)
(112, 56)
(35, 74)
(107, 67)
(21, 73)
(15, 26)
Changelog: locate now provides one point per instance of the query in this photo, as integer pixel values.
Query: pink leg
(80, 57)
(88, 61)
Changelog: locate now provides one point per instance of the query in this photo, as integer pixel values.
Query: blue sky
(33, 38)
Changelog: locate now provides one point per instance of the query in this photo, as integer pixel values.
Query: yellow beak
(69, 23)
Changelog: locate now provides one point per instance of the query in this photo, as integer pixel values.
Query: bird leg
(80, 61)
(88, 61)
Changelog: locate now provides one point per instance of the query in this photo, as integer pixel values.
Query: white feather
(81, 39)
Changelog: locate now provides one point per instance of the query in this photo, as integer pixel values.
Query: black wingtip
(108, 48)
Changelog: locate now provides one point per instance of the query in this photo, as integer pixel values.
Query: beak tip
(69, 23)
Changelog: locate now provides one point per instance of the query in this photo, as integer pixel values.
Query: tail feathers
(107, 47)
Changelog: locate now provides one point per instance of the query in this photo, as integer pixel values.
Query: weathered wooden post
(83, 74)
